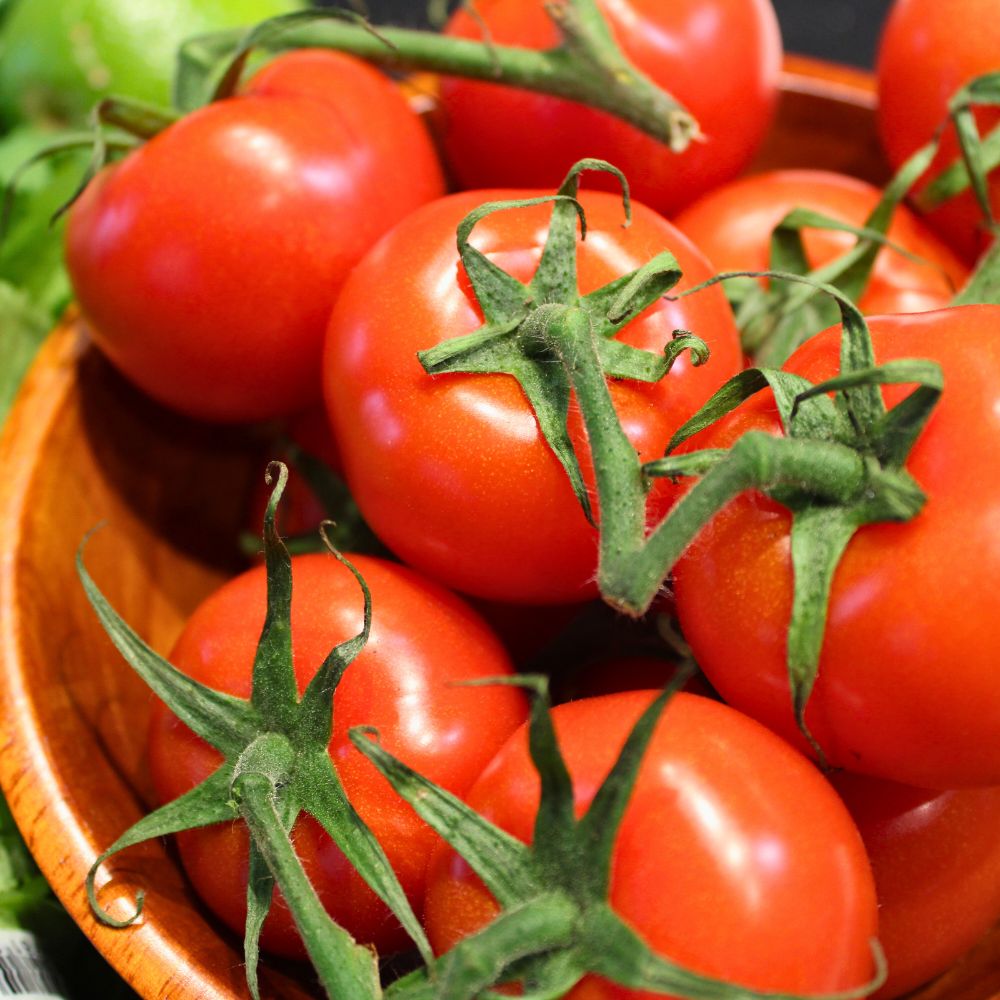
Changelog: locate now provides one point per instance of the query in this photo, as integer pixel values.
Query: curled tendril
(102, 914)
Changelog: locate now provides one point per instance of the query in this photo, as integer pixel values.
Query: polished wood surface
(80, 448)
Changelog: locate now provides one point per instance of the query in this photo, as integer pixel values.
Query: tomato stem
(344, 969)
(587, 66)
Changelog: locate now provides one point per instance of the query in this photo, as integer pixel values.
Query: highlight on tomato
(407, 681)
(906, 688)
(734, 858)
(206, 262)
(719, 59)
(452, 471)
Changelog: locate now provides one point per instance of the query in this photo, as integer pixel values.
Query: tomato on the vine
(734, 856)
(423, 641)
(452, 471)
(719, 58)
(207, 261)
(927, 52)
(732, 226)
(907, 674)
(936, 861)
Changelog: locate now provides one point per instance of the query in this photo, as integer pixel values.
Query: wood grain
(81, 447)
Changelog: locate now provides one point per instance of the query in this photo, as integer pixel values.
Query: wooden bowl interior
(82, 447)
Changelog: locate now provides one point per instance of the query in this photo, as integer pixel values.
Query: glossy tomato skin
(452, 472)
(732, 225)
(927, 52)
(936, 860)
(423, 640)
(719, 58)
(733, 857)
(206, 262)
(907, 675)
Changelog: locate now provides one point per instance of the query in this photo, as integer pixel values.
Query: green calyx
(586, 66)
(556, 925)
(529, 330)
(839, 466)
(979, 157)
(775, 320)
(276, 766)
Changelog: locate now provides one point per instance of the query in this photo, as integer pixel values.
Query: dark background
(843, 30)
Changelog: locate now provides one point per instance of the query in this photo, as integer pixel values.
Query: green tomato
(58, 56)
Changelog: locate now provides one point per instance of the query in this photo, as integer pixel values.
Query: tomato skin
(732, 226)
(206, 262)
(719, 58)
(936, 861)
(907, 684)
(928, 50)
(452, 472)
(423, 639)
(733, 857)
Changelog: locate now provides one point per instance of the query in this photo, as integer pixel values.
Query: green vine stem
(587, 66)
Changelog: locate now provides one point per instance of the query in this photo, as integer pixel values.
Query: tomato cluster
(295, 242)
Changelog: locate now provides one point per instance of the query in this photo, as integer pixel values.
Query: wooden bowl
(82, 447)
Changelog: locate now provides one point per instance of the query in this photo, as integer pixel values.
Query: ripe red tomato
(452, 472)
(928, 50)
(732, 226)
(936, 860)
(719, 58)
(734, 857)
(206, 263)
(907, 676)
(423, 639)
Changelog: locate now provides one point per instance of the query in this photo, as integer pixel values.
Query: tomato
(927, 52)
(732, 226)
(719, 58)
(734, 857)
(936, 860)
(452, 472)
(206, 263)
(907, 685)
(423, 640)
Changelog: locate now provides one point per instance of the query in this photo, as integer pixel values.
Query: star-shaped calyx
(276, 766)
(523, 333)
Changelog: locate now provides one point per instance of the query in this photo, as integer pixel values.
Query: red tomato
(206, 263)
(719, 58)
(907, 686)
(423, 639)
(452, 472)
(936, 859)
(734, 857)
(733, 226)
(928, 51)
